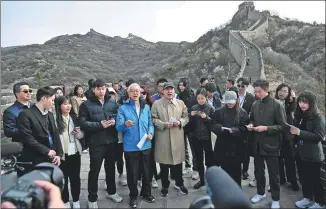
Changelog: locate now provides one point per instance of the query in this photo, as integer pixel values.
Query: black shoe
(182, 189)
(245, 175)
(164, 192)
(282, 181)
(295, 186)
(149, 198)
(199, 184)
(133, 202)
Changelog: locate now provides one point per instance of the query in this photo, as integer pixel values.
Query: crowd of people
(125, 126)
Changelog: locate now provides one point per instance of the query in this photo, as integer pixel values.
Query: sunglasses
(242, 86)
(143, 93)
(27, 91)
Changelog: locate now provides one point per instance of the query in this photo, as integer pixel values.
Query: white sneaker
(67, 205)
(187, 172)
(304, 203)
(85, 151)
(154, 183)
(257, 198)
(122, 180)
(139, 184)
(253, 183)
(92, 205)
(76, 205)
(195, 175)
(316, 205)
(115, 197)
(275, 204)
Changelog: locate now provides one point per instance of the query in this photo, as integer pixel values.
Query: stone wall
(239, 41)
(238, 50)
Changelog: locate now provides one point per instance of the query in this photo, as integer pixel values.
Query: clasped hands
(108, 123)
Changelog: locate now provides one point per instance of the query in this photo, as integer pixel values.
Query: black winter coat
(312, 133)
(200, 127)
(91, 113)
(230, 146)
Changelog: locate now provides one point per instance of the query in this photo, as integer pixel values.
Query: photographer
(39, 134)
(54, 195)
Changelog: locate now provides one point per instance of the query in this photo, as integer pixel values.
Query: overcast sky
(30, 22)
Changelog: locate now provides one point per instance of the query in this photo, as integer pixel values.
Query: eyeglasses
(27, 91)
(242, 86)
(143, 93)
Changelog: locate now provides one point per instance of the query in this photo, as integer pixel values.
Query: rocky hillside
(76, 58)
(292, 51)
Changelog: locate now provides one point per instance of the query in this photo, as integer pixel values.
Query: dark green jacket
(271, 113)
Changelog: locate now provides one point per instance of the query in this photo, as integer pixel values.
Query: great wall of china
(247, 54)
(240, 46)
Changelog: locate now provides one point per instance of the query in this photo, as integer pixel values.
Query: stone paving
(175, 199)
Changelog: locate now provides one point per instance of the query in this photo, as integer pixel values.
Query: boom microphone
(224, 191)
(12, 148)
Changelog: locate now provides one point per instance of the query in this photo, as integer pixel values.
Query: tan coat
(76, 102)
(169, 142)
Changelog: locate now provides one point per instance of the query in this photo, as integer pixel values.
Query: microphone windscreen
(224, 191)
(11, 148)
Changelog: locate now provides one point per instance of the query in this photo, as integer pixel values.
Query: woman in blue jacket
(134, 120)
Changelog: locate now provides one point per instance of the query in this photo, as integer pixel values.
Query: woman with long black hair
(71, 160)
(229, 125)
(309, 132)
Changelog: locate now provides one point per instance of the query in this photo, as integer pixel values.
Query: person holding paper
(229, 125)
(268, 121)
(200, 126)
(134, 120)
(66, 124)
(170, 115)
(309, 132)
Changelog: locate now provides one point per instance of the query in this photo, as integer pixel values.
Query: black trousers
(119, 157)
(199, 147)
(135, 162)
(246, 160)
(97, 155)
(287, 160)
(233, 167)
(312, 187)
(273, 171)
(71, 170)
(176, 170)
(153, 164)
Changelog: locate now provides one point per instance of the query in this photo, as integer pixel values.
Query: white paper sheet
(142, 141)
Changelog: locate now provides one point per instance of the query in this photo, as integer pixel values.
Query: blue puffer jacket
(142, 125)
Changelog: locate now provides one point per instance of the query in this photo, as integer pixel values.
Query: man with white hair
(134, 120)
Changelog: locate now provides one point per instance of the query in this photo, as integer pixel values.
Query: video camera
(222, 190)
(22, 192)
